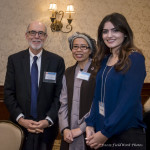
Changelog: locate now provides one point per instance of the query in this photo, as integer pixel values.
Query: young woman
(77, 93)
(115, 120)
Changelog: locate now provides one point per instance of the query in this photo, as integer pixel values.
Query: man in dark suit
(32, 88)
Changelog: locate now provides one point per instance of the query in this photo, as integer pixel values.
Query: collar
(32, 55)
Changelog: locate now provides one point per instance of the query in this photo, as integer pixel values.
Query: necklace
(104, 83)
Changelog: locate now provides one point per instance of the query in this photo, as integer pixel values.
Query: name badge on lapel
(83, 75)
(49, 77)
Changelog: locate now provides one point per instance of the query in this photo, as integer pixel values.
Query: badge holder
(49, 77)
(101, 108)
(83, 75)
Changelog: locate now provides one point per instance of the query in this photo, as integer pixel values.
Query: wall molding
(4, 114)
(145, 94)
(1, 93)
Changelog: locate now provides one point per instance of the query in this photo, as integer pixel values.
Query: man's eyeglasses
(40, 33)
(82, 47)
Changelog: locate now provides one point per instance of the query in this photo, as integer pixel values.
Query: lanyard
(103, 86)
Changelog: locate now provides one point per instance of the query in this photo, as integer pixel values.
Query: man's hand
(42, 124)
(33, 126)
(36, 131)
(30, 125)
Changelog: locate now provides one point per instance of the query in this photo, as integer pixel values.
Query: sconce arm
(57, 24)
(69, 26)
(61, 13)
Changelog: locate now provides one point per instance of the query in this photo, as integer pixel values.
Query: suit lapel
(44, 65)
(26, 68)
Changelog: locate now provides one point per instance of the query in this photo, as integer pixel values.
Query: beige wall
(15, 15)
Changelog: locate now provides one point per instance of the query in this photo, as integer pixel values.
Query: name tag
(101, 108)
(83, 75)
(49, 77)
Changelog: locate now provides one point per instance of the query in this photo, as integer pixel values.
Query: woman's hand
(96, 140)
(76, 132)
(89, 132)
(68, 137)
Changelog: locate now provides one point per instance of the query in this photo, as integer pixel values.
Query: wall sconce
(57, 16)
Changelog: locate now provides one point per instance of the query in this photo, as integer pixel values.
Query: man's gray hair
(42, 23)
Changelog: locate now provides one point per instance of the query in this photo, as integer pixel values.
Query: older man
(32, 88)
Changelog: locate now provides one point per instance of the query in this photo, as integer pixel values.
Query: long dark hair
(121, 24)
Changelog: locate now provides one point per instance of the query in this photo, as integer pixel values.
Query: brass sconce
(57, 16)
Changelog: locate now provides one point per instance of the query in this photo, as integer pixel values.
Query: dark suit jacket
(17, 87)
